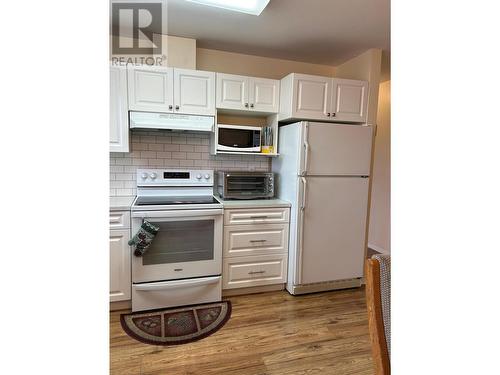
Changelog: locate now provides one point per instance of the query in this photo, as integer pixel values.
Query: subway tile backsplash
(164, 149)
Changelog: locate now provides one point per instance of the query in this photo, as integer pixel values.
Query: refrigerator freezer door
(333, 227)
(336, 149)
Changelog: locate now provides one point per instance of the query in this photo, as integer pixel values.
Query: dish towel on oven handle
(143, 238)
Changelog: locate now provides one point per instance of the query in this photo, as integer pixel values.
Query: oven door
(188, 244)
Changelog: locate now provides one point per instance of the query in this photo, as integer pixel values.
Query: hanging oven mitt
(143, 238)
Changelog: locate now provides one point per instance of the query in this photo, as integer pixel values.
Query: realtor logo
(134, 26)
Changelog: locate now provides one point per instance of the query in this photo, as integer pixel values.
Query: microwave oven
(245, 185)
(238, 138)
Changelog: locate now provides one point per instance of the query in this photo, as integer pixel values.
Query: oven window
(181, 241)
(246, 184)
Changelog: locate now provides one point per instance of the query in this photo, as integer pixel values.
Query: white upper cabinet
(250, 94)
(172, 90)
(150, 89)
(264, 94)
(232, 91)
(118, 110)
(308, 97)
(312, 96)
(349, 100)
(194, 92)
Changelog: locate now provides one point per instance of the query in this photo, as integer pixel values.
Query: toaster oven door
(248, 186)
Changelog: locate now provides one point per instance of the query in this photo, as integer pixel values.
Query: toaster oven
(245, 185)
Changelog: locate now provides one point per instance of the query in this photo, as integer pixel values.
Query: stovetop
(174, 200)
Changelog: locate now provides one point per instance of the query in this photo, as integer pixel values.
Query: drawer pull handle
(256, 272)
(258, 217)
(258, 240)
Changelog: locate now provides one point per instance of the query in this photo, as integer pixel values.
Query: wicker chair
(378, 299)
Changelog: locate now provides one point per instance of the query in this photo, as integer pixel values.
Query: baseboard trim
(252, 290)
(378, 248)
(324, 286)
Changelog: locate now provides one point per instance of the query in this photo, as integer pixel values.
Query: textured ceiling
(316, 31)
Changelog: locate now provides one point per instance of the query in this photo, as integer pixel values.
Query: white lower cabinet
(255, 247)
(243, 240)
(119, 261)
(244, 272)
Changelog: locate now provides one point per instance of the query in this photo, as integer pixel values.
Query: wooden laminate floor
(269, 333)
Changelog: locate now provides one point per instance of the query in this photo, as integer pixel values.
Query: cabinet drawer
(244, 240)
(175, 293)
(119, 219)
(243, 272)
(256, 216)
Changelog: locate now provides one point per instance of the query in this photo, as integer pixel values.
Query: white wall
(259, 66)
(379, 235)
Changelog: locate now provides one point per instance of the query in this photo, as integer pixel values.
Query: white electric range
(183, 264)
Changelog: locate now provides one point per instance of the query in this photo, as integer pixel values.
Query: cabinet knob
(333, 114)
(176, 107)
(251, 105)
(328, 114)
(170, 106)
(246, 105)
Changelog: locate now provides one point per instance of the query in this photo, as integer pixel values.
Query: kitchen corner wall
(379, 237)
(164, 149)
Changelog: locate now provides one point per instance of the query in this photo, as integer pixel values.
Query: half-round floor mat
(176, 326)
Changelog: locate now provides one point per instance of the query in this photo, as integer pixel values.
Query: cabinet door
(349, 100)
(150, 89)
(264, 95)
(118, 110)
(312, 97)
(257, 270)
(232, 91)
(119, 265)
(194, 92)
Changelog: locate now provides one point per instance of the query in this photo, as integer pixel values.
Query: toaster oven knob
(144, 176)
(198, 176)
(153, 176)
(207, 177)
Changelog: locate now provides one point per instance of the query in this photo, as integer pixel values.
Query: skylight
(254, 7)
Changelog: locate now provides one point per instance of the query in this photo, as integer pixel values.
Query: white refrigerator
(323, 169)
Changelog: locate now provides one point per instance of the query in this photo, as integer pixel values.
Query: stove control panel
(174, 177)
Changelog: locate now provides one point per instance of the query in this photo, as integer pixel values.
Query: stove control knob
(153, 176)
(207, 177)
(198, 176)
(144, 176)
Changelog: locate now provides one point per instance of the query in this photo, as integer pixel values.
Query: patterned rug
(176, 326)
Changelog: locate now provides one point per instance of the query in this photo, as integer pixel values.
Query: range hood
(171, 121)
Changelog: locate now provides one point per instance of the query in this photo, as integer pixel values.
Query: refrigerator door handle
(306, 148)
(301, 231)
(304, 193)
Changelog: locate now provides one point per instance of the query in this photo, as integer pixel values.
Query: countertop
(250, 203)
(120, 203)
(124, 203)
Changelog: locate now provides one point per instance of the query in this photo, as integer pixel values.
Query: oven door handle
(176, 213)
(176, 284)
